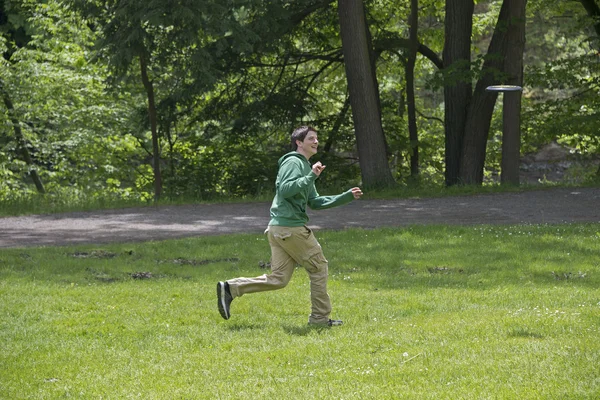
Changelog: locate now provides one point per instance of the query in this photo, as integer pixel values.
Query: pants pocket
(278, 233)
(282, 236)
(315, 261)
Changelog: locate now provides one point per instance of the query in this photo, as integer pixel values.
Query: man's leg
(302, 245)
(282, 268)
(318, 272)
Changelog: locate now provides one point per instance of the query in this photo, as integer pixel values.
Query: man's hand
(317, 168)
(356, 192)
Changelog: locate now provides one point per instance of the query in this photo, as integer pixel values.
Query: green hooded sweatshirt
(295, 188)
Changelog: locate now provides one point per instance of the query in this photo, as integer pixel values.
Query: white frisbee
(504, 88)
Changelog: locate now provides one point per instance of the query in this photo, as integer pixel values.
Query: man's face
(310, 144)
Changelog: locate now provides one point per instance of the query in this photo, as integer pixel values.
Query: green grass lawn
(485, 312)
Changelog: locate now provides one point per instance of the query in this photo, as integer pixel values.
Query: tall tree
(593, 10)
(17, 37)
(410, 87)
(364, 100)
(457, 82)
(511, 114)
(20, 139)
(482, 104)
(149, 86)
(160, 38)
(131, 32)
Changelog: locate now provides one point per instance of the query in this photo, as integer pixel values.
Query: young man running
(291, 241)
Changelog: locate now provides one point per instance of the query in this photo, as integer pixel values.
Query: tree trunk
(336, 127)
(373, 58)
(21, 142)
(481, 108)
(410, 88)
(457, 86)
(511, 110)
(593, 11)
(153, 128)
(370, 140)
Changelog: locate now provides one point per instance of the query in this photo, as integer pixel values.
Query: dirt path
(165, 222)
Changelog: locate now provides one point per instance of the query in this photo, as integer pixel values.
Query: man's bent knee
(277, 281)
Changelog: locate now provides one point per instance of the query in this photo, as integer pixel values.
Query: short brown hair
(300, 134)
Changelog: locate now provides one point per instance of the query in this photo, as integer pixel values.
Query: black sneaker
(224, 299)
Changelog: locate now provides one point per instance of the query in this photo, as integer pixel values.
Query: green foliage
(566, 106)
(562, 98)
(69, 118)
(232, 79)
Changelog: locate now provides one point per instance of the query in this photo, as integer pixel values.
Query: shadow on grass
(524, 334)
(304, 330)
(475, 278)
(245, 326)
(455, 257)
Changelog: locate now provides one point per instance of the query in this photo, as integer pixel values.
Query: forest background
(142, 100)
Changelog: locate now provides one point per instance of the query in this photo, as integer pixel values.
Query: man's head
(304, 141)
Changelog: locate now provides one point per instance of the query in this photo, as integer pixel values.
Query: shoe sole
(221, 300)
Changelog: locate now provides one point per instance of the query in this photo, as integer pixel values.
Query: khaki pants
(291, 246)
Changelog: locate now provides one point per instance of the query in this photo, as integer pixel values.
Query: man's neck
(302, 153)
